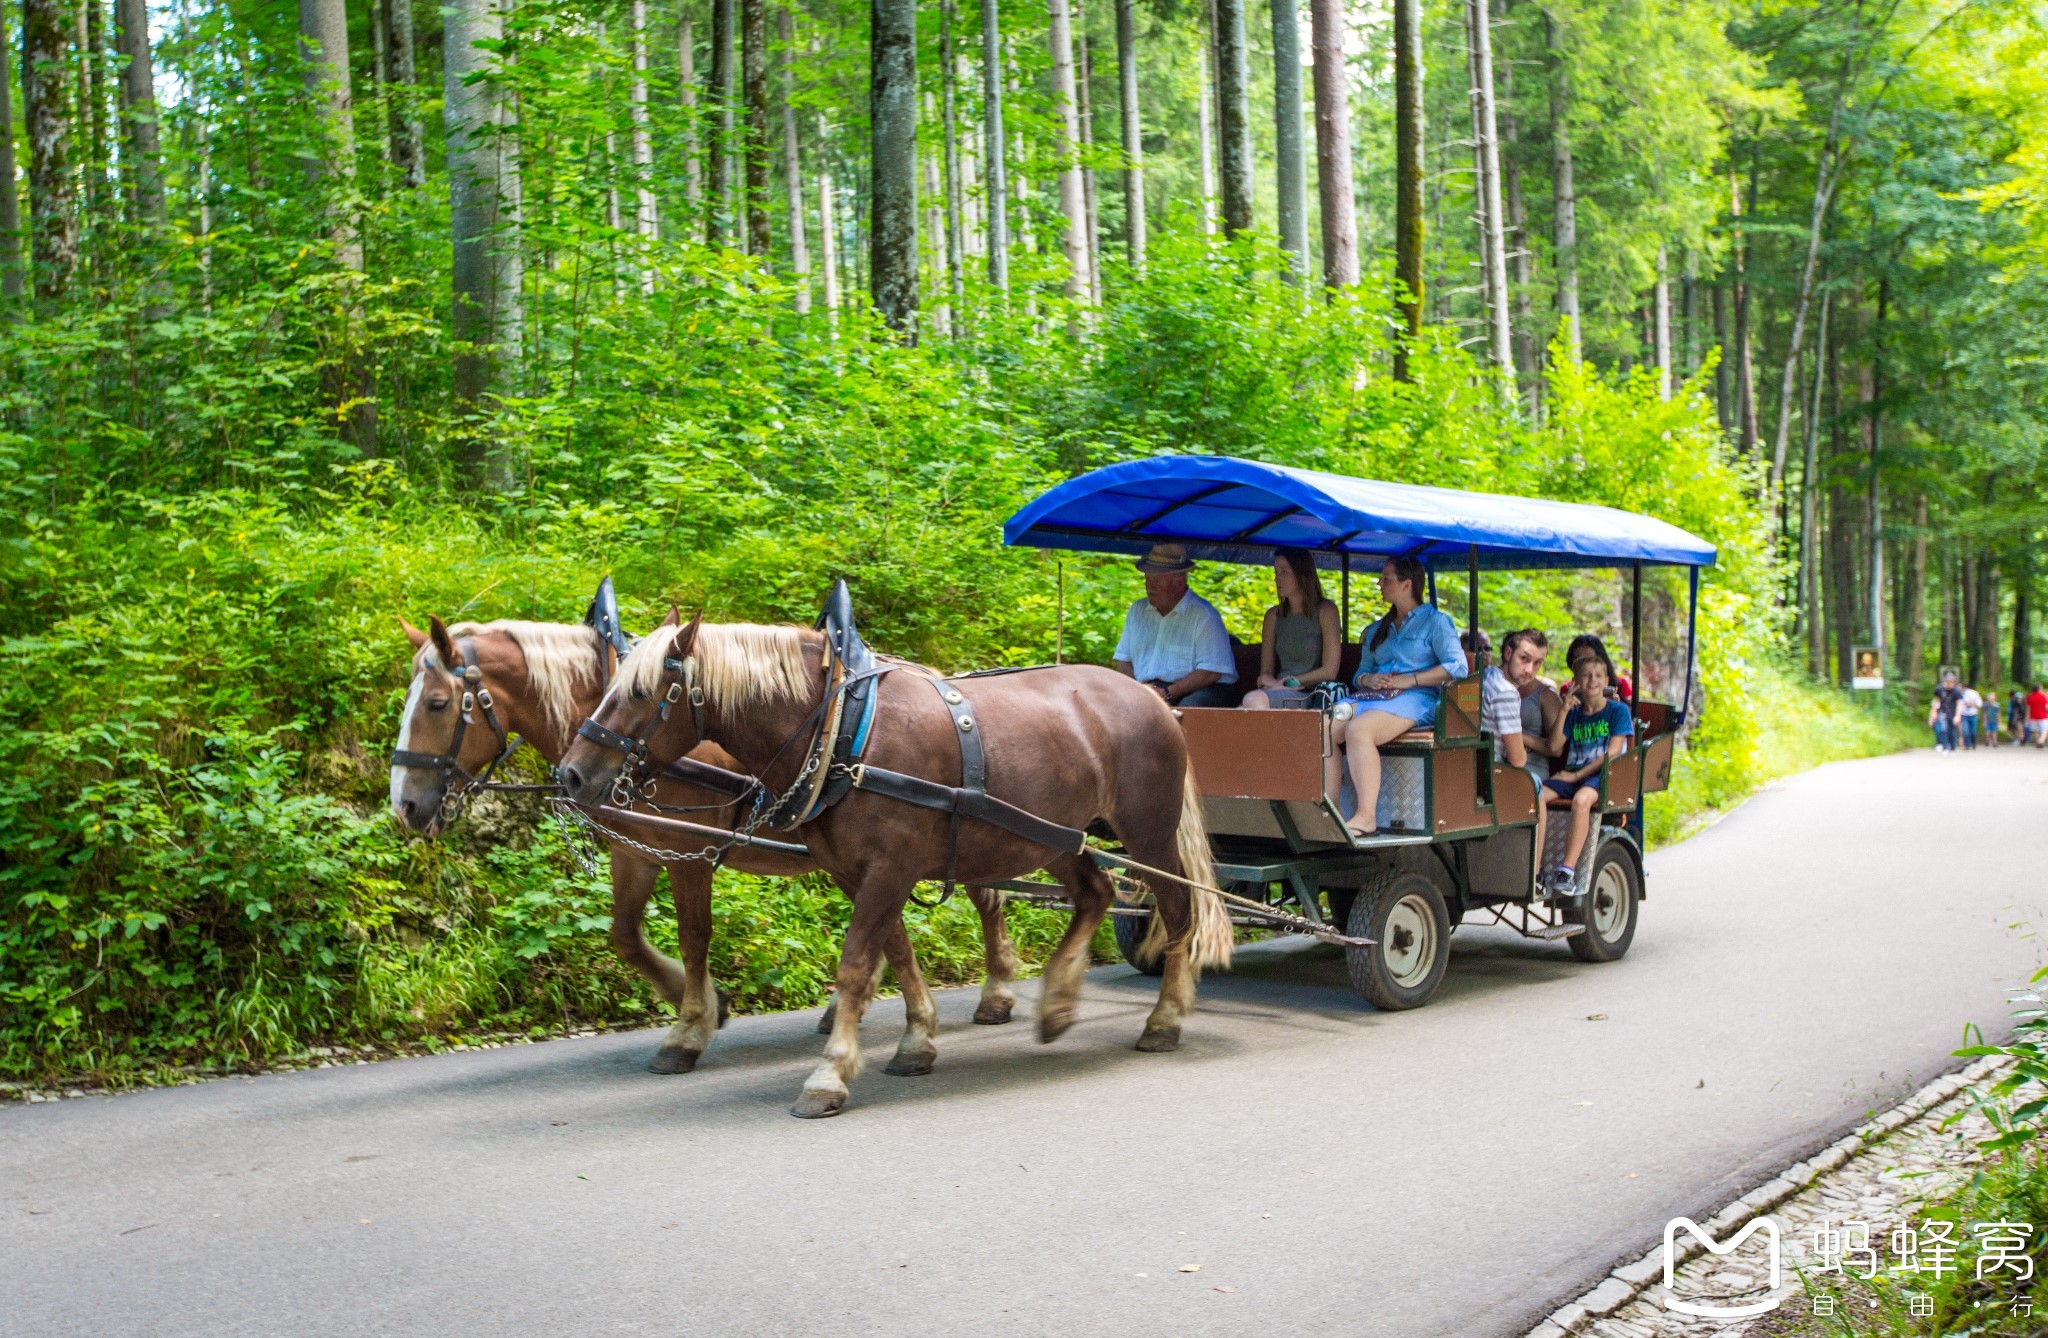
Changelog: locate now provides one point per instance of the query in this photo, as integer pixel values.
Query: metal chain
(564, 811)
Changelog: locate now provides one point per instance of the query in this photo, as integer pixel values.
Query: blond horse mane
(559, 657)
(738, 664)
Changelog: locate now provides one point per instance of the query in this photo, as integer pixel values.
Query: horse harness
(475, 696)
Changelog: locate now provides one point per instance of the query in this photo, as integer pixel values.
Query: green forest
(315, 316)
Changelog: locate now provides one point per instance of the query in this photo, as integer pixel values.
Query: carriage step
(1552, 933)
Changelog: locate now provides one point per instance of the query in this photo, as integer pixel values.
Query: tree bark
(892, 108)
(760, 155)
(1333, 144)
(92, 91)
(993, 146)
(1493, 231)
(718, 220)
(2022, 623)
(956, 202)
(52, 203)
(323, 38)
(1661, 317)
(1809, 514)
(1408, 174)
(1722, 413)
(793, 165)
(828, 238)
(686, 96)
(1913, 642)
(1564, 198)
(1875, 504)
(1826, 177)
(1745, 361)
(1234, 121)
(1132, 132)
(407, 135)
(488, 317)
(11, 286)
(1528, 345)
(138, 111)
(1067, 139)
(1290, 165)
(645, 221)
(1085, 116)
(1205, 132)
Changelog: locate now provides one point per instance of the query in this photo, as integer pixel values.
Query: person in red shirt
(2037, 717)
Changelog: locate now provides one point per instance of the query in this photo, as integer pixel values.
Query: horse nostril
(572, 779)
(408, 810)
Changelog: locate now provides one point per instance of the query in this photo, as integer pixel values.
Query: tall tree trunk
(1913, 641)
(1233, 88)
(1564, 197)
(10, 203)
(1826, 176)
(1527, 343)
(956, 202)
(686, 95)
(1205, 132)
(1973, 642)
(1492, 227)
(323, 38)
(488, 275)
(138, 111)
(1987, 598)
(407, 135)
(1408, 174)
(1661, 319)
(718, 220)
(1745, 361)
(828, 237)
(1067, 141)
(1875, 504)
(1723, 411)
(1085, 111)
(1333, 144)
(1132, 134)
(2022, 623)
(1809, 513)
(92, 90)
(892, 112)
(932, 241)
(793, 165)
(1689, 315)
(1290, 154)
(760, 154)
(1843, 605)
(993, 146)
(46, 99)
(645, 222)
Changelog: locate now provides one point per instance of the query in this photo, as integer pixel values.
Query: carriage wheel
(1404, 913)
(1609, 914)
(1130, 932)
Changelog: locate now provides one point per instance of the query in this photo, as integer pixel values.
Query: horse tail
(1211, 937)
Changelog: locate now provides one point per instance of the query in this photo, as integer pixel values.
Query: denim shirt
(1427, 639)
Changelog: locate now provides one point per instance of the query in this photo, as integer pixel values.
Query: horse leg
(918, 1050)
(700, 1011)
(832, 1009)
(874, 913)
(632, 884)
(999, 958)
(1060, 986)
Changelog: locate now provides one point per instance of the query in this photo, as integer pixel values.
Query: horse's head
(439, 755)
(637, 728)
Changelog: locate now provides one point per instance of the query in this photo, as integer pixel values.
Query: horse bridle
(475, 696)
(633, 780)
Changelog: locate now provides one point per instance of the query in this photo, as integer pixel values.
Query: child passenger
(1595, 729)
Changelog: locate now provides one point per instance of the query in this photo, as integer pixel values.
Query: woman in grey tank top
(1300, 641)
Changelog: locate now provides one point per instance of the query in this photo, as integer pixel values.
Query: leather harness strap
(475, 696)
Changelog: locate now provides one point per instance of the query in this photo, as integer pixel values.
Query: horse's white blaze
(412, 699)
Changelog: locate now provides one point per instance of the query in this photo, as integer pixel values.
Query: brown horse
(542, 680)
(1072, 745)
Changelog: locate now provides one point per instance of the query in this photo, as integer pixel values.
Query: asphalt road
(1457, 1170)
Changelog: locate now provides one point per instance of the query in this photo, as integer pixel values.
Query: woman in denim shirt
(1404, 659)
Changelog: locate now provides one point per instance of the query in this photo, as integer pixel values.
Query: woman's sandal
(1360, 831)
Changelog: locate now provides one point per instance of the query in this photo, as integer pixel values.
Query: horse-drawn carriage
(1456, 841)
(787, 750)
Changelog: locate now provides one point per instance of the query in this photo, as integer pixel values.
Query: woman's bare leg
(1363, 736)
(1256, 700)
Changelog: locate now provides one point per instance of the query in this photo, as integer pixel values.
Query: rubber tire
(1130, 932)
(1370, 969)
(1613, 857)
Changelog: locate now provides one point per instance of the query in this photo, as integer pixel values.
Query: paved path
(1457, 1170)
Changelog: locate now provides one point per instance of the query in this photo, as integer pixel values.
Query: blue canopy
(1231, 510)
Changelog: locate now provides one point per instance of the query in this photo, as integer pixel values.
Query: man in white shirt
(1973, 703)
(1173, 640)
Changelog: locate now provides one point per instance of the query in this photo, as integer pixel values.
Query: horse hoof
(724, 1007)
(817, 1105)
(673, 1061)
(911, 1066)
(994, 1012)
(831, 1016)
(1052, 1026)
(1160, 1041)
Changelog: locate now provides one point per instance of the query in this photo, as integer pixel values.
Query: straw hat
(1165, 558)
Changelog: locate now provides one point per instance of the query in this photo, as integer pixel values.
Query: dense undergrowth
(200, 667)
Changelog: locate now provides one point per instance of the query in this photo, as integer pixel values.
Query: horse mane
(738, 664)
(559, 657)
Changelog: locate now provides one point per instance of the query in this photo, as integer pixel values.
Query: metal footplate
(1552, 933)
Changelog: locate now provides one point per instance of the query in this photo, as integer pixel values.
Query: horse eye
(639, 694)
(437, 703)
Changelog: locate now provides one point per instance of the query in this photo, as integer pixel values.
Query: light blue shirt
(1168, 647)
(1428, 638)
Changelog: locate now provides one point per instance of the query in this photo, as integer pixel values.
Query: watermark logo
(1763, 1225)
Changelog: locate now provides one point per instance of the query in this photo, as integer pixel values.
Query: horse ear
(674, 619)
(444, 645)
(412, 634)
(687, 638)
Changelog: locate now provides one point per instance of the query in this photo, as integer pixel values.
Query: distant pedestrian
(1990, 719)
(1973, 704)
(1943, 710)
(2037, 717)
(2016, 713)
